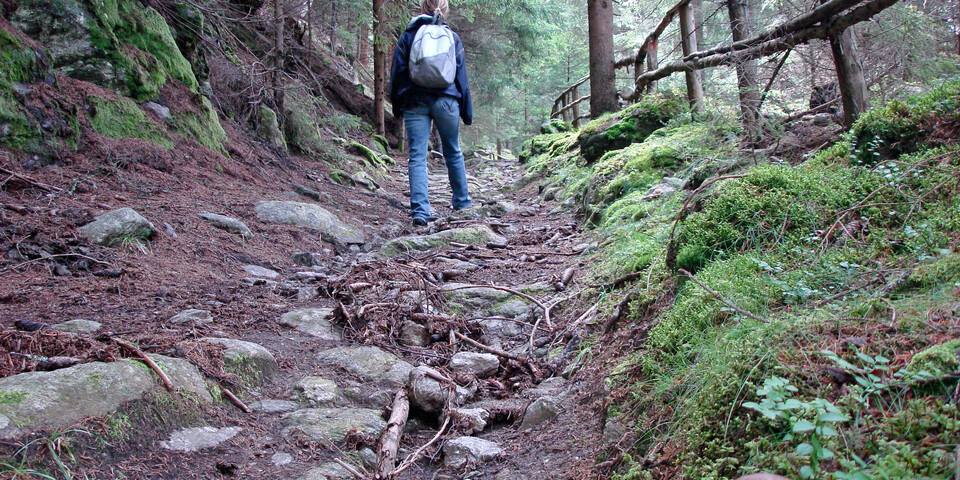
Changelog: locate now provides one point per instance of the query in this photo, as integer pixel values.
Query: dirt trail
(372, 301)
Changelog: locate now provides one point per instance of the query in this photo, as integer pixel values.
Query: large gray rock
(318, 391)
(473, 420)
(469, 450)
(373, 365)
(327, 471)
(269, 127)
(310, 216)
(473, 235)
(229, 224)
(199, 438)
(412, 334)
(248, 360)
(118, 226)
(191, 317)
(330, 425)
(541, 410)
(479, 364)
(429, 394)
(274, 406)
(78, 326)
(314, 322)
(485, 301)
(47, 400)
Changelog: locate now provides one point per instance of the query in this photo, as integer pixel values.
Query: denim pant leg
(417, 122)
(446, 115)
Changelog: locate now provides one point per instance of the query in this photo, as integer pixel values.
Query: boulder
(473, 235)
(50, 400)
(373, 365)
(412, 334)
(541, 410)
(198, 438)
(479, 364)
(262, 272)
(249, 361)
(484, 301)
(78, 326)
(226, 223)
(269, 128)
(330, 425)
(327, 471)
(314, 322)
(468, 451)
(473, 420)
(429, 394)
(191, 317)
(318, 391)
(273, 406)
(118, 226)
(309, 215)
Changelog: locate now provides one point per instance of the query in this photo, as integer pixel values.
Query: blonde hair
(432, 7)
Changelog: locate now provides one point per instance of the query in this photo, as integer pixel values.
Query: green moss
(17, 63)
(941, 358)
(380, 142)
(203, 126)
(631, 125)
(122, 118)
(370, 158)
(943, 271)
(300, 127)
(904, 126)
(11, 398)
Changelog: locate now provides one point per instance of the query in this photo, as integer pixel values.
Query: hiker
(428, 82)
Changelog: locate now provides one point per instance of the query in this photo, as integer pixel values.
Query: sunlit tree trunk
(603, 88)
(689, 42)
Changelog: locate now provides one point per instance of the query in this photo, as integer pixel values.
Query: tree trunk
(363, 44)
(278, 18)
(603, 87)
(652, 62)
(333, 26)
(746, 70)
(689, 42)
(379, 65)
(853, 88)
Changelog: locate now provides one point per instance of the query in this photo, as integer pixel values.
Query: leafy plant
(811, 422)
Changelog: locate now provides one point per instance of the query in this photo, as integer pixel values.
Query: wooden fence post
(689, 39)
(563, 107)
(575, 94)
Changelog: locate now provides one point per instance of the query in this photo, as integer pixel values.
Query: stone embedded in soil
(262, 272)
(274, 406)
(193, 317)
(541, 410)
(314, 322)
(327, 471)
(584, 247)
(229, 224)
(48, 400)
(373, 365)
(469, 451)
(78, 326)
(412, 334)
(247, 360)
(318, 391)
(118, 226)
(484, 301)
(479, 364)
(613, 431)
(429, 394)
(473, 235)
(310, 216)
(330, 425)
(475, 418)
(281, 458)
(199, 438)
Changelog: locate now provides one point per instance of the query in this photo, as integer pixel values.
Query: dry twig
(725, 301)
(150, 363)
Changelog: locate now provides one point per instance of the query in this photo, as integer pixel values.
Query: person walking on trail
(428, 83)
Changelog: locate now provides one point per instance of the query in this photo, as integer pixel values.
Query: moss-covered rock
(474, 235)
(269, 127)
(938, 359)
(202, 125)
(631, 125)
(121, 118)
(555, 125)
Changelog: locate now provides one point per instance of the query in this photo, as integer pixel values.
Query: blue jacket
(403, 92)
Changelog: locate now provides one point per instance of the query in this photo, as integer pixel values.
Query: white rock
(199, 438)
(258, 271)
(479, 364)
(469, 450)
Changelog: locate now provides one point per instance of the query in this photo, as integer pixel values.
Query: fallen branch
(236, 401)
(349, 468)
(390, 440)
(150, 363)
(28, 180)
(416, 454)
(489, 349)
(725, 301)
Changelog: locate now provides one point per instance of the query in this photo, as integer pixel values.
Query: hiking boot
(419, 221)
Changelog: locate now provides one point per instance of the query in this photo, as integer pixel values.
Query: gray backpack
(433, 56)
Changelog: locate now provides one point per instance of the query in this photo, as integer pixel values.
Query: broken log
(390, 440)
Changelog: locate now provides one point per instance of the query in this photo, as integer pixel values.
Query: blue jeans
(445, 113)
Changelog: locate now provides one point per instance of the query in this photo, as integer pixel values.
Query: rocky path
(453, 314)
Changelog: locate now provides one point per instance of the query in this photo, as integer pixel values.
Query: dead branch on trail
(236, 401)
(349, 468)
(25, 179)
(390, 440)
(150, 363)
(546, 310)
(489, 349)
(725, 301)
(416, 454)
